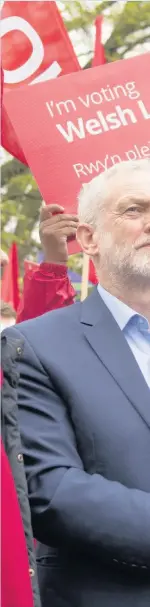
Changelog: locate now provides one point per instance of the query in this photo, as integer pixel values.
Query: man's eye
(132, 209)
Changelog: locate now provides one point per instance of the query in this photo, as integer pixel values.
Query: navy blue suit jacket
(84, 410)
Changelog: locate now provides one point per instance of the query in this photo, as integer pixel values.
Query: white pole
(85, 276)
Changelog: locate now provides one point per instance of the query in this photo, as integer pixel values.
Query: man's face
(124, 235)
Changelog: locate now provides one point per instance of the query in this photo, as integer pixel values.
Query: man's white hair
(93, 195)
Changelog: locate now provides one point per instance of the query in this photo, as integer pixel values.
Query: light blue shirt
(135, 328)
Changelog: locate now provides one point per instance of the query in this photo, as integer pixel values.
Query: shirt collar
(120, 311)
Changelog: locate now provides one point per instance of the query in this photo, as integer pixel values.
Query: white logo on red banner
(35, 49)
(33, 63)
(35, 44)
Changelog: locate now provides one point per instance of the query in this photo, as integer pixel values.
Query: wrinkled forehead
(134, 185)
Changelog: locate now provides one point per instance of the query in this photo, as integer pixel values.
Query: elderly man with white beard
(84, 407)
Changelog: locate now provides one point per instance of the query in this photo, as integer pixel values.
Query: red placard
(73, 128)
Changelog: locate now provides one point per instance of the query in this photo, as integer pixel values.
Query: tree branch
(87, 17)
(132, 45)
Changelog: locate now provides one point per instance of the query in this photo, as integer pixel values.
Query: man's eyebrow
(134, 200)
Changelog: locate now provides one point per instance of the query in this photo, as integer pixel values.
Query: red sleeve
(46, 287)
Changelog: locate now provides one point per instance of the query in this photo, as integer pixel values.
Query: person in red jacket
(47, 286)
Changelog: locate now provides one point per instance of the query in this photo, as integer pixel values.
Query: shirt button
(20, 457)
(31, 572)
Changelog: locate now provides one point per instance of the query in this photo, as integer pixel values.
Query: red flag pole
(10, 280)
(99, 53)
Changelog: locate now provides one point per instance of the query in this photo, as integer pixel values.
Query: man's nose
(147, 225)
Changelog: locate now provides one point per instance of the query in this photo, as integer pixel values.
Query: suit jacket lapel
(108, 341)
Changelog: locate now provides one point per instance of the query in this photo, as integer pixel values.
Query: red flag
(34, 40)
(10, 280)
(9, 138)
(92, 274)
(99, 53)
(35, 48)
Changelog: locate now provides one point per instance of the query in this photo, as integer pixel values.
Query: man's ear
(87, 239)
